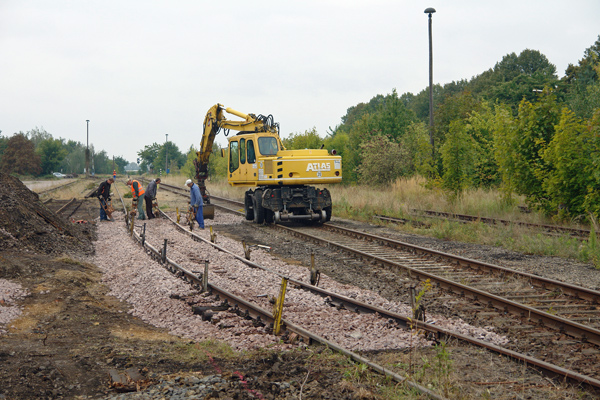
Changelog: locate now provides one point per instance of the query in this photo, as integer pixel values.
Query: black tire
(259, 211)
(248, 207)
(328, 211)
(269, 216)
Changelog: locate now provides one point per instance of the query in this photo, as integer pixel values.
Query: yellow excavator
(280, 178)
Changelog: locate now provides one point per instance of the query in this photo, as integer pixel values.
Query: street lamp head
(429, 11)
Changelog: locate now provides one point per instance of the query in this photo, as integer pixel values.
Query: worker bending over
(103, 193)
(137, 190)
(150, 197)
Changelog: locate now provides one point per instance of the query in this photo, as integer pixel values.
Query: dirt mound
(27, 224)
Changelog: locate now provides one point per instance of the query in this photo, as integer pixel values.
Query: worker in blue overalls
(196, 201)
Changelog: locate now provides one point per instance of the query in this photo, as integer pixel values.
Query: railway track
(247, 308)
(475, 284)
(548, 229)
(57, 187)
(65, 208)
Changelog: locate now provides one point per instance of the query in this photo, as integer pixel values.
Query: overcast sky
(141, 69)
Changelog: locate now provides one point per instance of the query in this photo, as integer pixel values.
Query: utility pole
(87, 151)
(166, 154)
(430, 11)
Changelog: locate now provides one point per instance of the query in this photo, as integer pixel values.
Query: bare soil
(71, 333)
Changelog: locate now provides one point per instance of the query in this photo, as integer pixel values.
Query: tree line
(37, 153)
(516, 127)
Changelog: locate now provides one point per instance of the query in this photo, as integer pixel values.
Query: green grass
(399, 199)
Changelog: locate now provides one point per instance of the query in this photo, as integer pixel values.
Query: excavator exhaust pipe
(208, 211)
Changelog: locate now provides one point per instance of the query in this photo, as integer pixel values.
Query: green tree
(188, 169)
(121, 163)
(52, 153)
(102, 163)
(383, 161)
(459, 155)
(148, 155)
(418, 149)
(506, 147)
(583, 82)
(570, 154)
(175, 159)
(217, 165)
(391, 118)
(20, 156)
(520, 143)
(454, 107)
(592, 198)
(307, 140)
(480, 127)
(74, 162)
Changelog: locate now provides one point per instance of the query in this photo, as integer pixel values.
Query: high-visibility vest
(141, 190)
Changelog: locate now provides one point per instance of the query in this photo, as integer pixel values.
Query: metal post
(314, 273)
(166, 155)
(164, 252)
(205, 277)
(131, 222)
(430, 11)
(144, 235)
(278, 309)
(87, 150)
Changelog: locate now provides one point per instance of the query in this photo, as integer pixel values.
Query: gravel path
(156, 296)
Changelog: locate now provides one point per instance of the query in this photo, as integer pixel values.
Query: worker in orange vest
(137, 192)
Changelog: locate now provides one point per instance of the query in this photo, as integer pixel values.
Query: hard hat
(188, 182)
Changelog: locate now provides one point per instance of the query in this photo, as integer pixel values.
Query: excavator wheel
(328, 212)
(248, 206)
(259, 211)
(269, 216)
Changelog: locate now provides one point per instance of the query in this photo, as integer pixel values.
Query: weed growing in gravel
(443, 367)
(590, 249)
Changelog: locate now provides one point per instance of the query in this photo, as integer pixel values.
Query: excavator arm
(213, 123)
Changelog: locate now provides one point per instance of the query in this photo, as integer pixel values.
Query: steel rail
(60, 210)
(248, 310)
(351, 304)
(579, 292)
(57, 187)
(541, 317)
(496, 221)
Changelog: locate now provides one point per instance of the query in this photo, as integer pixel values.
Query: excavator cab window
(243, 151)
(267, 146)
(251, 154)
(234, 161)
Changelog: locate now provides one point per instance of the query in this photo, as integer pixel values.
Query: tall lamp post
(166, 154)
(87, 150)
(430, 11)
